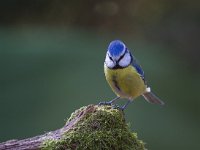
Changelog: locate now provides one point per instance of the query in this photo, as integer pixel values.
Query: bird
(125, 76)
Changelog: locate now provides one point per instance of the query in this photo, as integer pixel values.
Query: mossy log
(91, 127)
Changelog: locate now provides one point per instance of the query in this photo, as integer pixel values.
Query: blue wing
(138, 68)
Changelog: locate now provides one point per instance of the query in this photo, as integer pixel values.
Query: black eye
(110, 58)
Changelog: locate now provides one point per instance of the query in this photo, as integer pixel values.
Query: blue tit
(125, 76)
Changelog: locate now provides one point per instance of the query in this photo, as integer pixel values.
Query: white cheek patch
(109, 62)
(125, 61)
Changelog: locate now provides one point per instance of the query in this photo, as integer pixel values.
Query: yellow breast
(125, 82)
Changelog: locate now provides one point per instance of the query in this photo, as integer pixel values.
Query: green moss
(103, 129)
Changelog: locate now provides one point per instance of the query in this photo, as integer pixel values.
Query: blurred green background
(51, 63)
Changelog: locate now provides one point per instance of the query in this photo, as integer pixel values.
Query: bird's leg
(109, 102)
(124, 107)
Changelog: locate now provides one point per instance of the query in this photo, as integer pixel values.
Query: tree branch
(90, 127)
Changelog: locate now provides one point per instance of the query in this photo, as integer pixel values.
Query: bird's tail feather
(152, 98)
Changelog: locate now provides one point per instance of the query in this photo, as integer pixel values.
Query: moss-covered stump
(95, 128)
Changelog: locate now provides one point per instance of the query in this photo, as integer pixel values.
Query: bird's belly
(126, 82)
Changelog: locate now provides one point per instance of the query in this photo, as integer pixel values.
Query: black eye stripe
(110, 58)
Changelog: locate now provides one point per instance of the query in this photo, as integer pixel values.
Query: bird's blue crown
(116, 48)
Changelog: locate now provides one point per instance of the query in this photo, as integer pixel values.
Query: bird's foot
(109, 102)
(118, 107)
(105, 103)
(114, 106)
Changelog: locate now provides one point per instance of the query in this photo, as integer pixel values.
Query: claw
(105, 103)
(115, 106)
(122, 108)
(109, 102)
